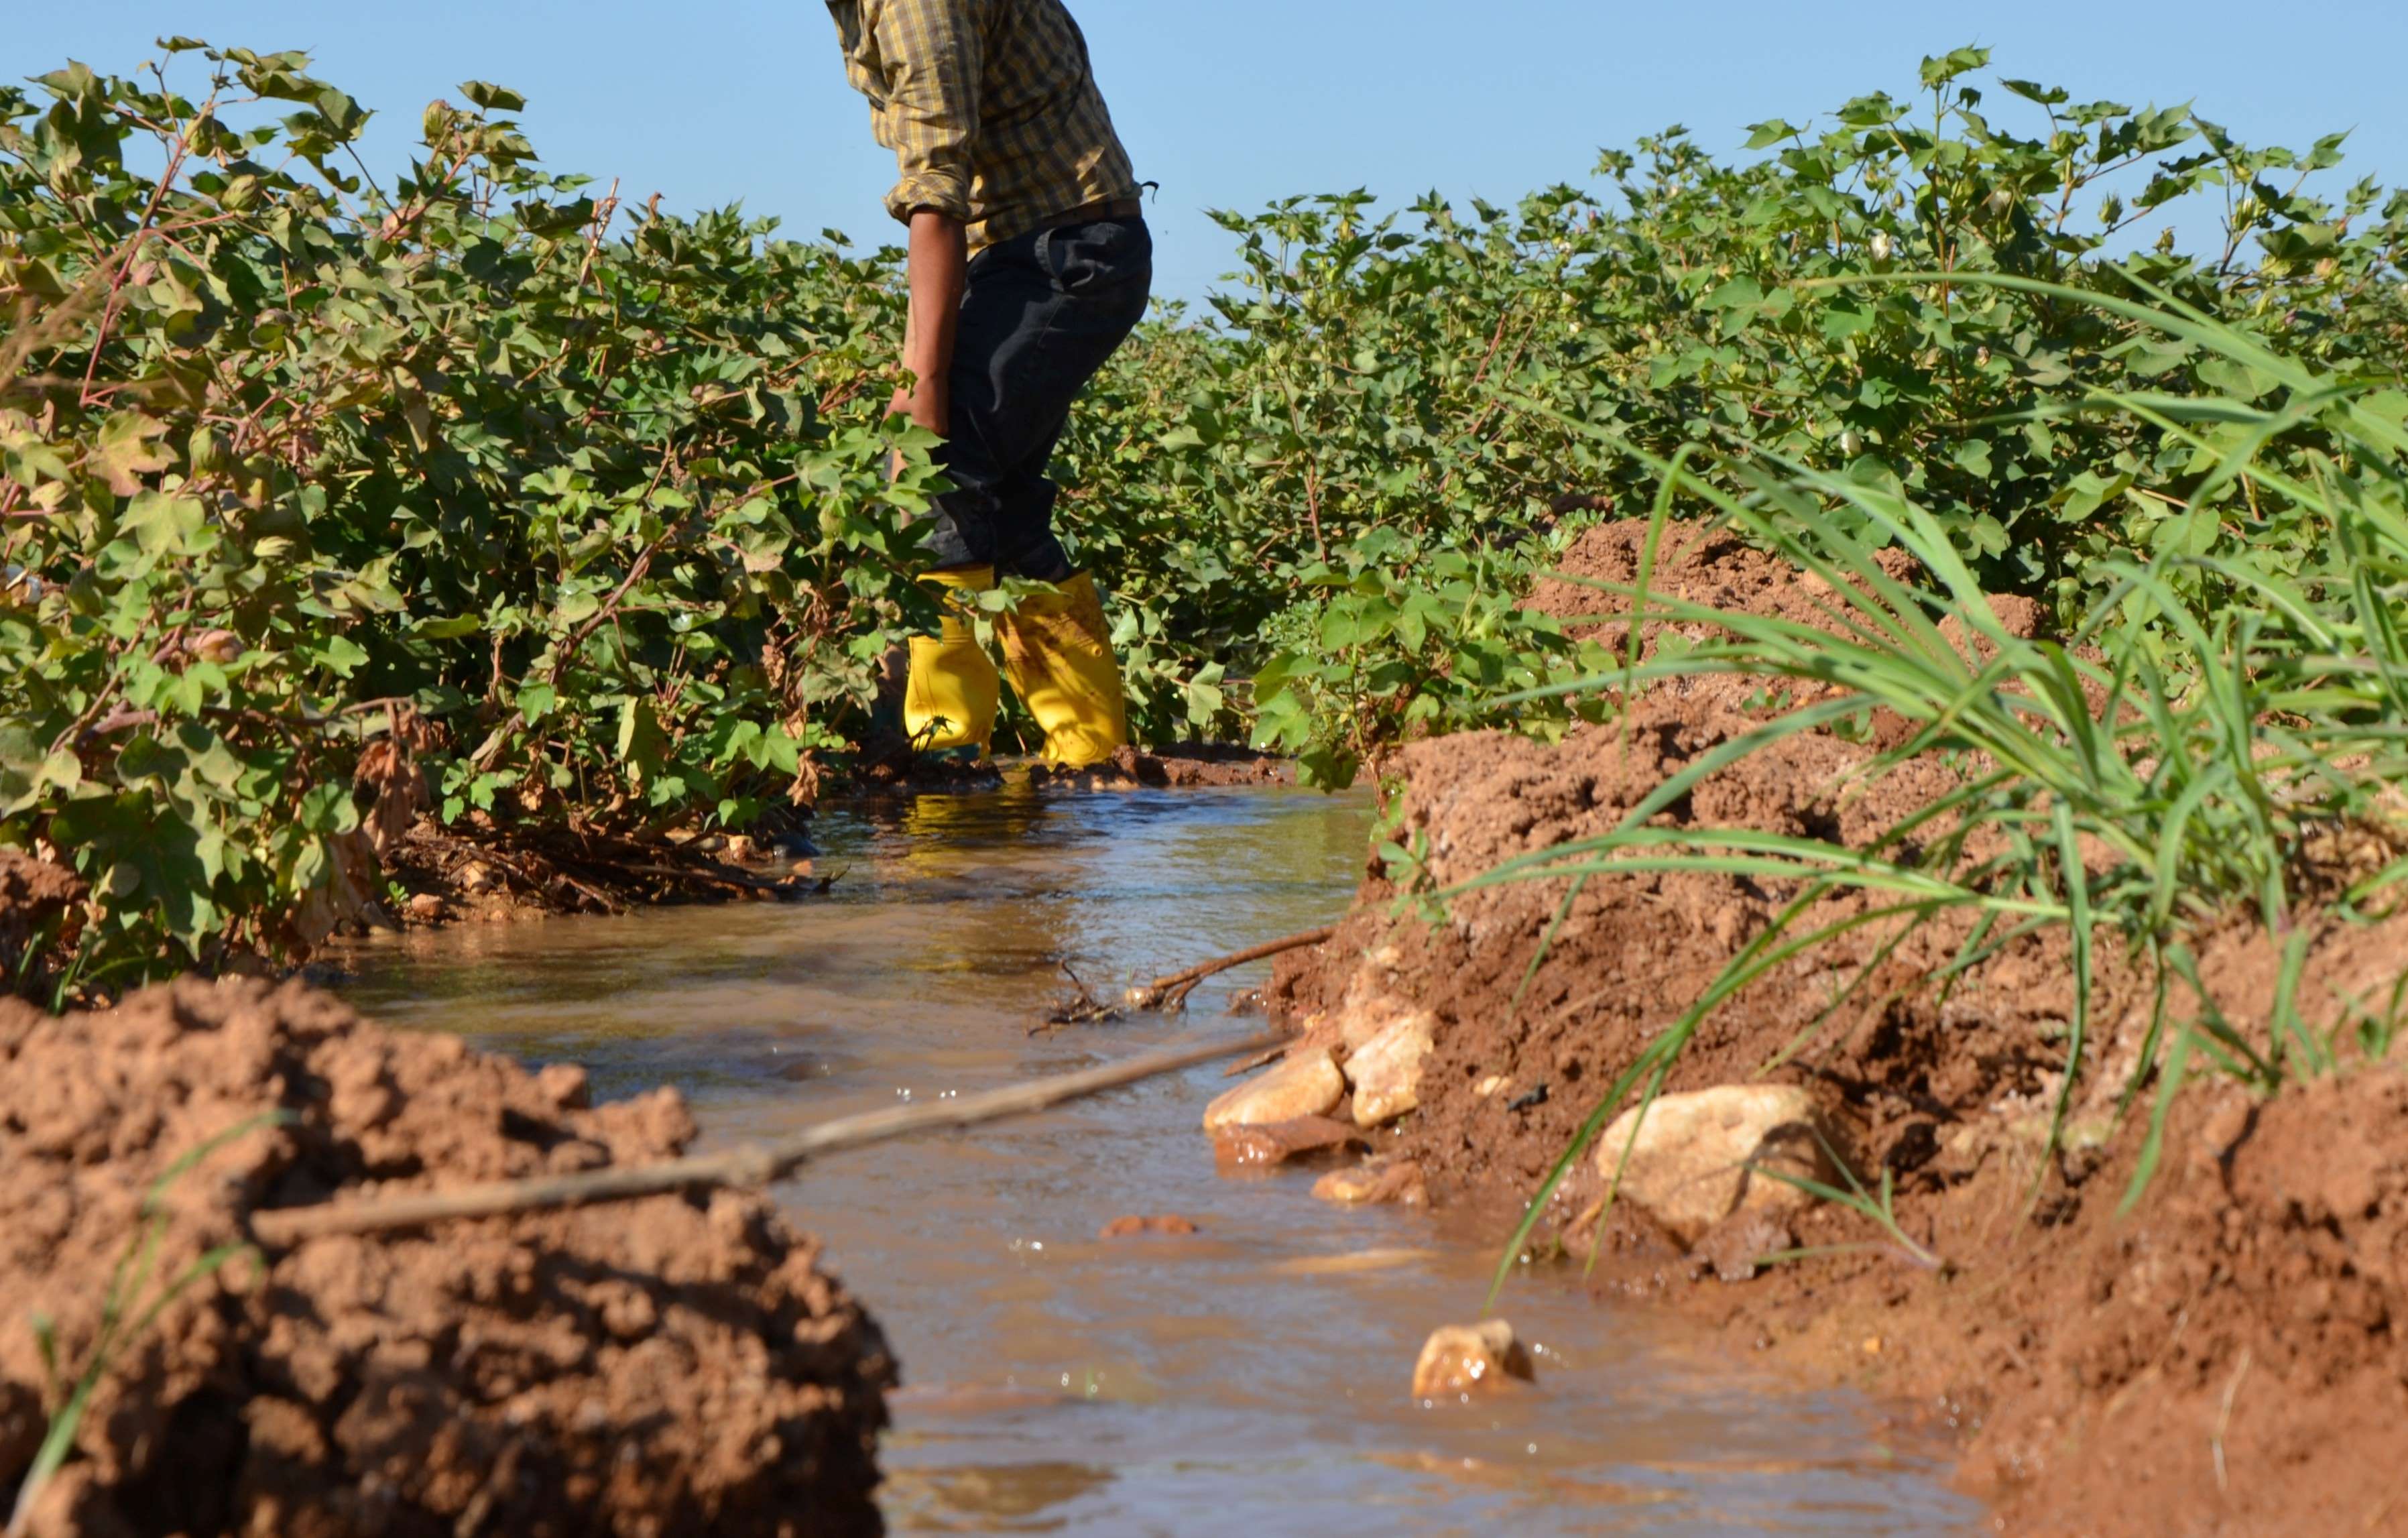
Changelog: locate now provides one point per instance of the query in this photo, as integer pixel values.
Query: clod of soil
(2230, 1357)
(673, 1365)
(41, 908)
(1195, 767)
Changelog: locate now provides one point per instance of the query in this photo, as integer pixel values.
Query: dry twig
(753, 1164)
(1169, 992)
(1080, 1008)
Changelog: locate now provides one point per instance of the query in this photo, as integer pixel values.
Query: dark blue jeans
(1041, 312)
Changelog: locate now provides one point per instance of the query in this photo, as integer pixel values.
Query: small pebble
(1458, 1360)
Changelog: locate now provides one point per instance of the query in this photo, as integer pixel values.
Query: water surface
(1252, 1378)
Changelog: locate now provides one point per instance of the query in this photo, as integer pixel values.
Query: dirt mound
(1714, 569)
(2230, 1357)
(673, 1365)
(41, 912)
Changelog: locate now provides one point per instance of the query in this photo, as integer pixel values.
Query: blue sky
(1232, 102)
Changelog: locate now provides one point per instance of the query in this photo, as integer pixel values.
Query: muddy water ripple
(1249, 1378)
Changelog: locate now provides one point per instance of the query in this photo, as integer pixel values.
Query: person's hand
(927, 407)
(926, 404)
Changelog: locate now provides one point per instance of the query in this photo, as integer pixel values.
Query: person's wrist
(928, 406)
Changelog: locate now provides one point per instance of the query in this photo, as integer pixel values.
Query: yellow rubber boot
(950, 694)
(1059, 657)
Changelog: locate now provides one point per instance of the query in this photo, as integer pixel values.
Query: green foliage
(299, 469)
(323, 497)
(1435, 378)
(1407, 642)
(1220, 473)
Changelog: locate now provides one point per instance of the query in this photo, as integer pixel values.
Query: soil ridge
(672, 1365)
(2230, 1357)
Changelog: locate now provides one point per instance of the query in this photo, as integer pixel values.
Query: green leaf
(2049, 95)
(492, 97)
(129, 449)
(2192, 533)
(1842, 318)
(554, 220)
(1738, 293)
(166, 526)
(642, 746)
(2237, 380)
(343, 115)
(1954, 63)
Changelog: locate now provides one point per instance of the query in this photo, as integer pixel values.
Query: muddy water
(1250, 1378)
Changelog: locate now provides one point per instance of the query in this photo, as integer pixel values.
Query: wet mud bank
(2229, 1357)
(672, 1365)
(499, 874)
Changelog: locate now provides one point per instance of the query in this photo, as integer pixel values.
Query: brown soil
(1186, 767)
(674, 1365)
(2232, 1357)
(897, 771)
(1196, 766)
(41, 908)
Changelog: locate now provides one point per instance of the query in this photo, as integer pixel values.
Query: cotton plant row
(333, 499)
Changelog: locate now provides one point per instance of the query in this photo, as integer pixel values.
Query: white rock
(1465, 1359)
(1699, 1155)
(1386, 1070)
(1365, 1014)
(1304, 1084)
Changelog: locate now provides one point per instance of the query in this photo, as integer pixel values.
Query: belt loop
(1044, 243)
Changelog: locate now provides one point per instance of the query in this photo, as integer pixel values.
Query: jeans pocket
(1093, 258)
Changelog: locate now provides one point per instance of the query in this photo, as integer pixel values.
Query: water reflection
(1251, 1377)
(996, 1498)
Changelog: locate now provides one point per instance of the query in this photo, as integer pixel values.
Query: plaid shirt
(989, 106)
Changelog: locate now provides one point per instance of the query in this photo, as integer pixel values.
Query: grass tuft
(2207, 727)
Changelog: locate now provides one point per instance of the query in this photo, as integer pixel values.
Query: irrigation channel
(1250, 1377)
